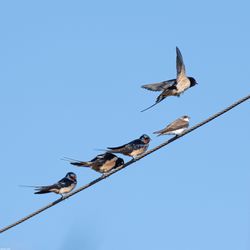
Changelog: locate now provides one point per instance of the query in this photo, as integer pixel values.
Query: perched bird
(173, 87)
(102, 163)
(133, 148)
(176, 127)
(65, 185)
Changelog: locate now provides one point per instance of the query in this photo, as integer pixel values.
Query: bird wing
(81, 163)
(99, 160)
(77, 162)
(159, 86)
(47, 189)
(127, 148)
(64, 182)
(104, 157)
(180, 66)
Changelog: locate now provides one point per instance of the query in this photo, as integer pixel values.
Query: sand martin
(173, 87)
(176, 127)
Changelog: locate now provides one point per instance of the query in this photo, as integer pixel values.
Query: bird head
(145, 138)
(192, 81)
(185, 118)
(71, 176)
(119, 162)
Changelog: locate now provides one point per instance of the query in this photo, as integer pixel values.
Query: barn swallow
(176, 127)
(65, 185)
(173, 87)
(102, 163)
(133, 148)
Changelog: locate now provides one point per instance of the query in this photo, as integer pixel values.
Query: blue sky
(70, 74)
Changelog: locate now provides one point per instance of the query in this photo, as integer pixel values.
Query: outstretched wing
(180, 67)
(160, 86)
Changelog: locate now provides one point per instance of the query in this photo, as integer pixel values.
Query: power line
(104, 176)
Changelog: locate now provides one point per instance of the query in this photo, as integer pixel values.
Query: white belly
(183, 84)
(67, 189)
(176, 132)
(138, 151)
(107, 166)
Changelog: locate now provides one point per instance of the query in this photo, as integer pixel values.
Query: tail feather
(81, 163)
(149, 107)
(116, 149)
(39, 189)
(43, 189)
(29, 186)
(162, 96)
(159, 133)
(100, 149)
(77, 162)
(69, 159)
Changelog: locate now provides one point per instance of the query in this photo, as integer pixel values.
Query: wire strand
(104, 176)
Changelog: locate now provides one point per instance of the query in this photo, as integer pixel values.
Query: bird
(65, 185)
(173, 87)
(176, 127)
(102, 163)
(133, 148)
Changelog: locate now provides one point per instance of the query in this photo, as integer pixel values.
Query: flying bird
(102, 163)
(133, 148)
(65, 185)
(173, 87)
(176, 127)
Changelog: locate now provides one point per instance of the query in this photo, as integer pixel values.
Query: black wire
(104, 176)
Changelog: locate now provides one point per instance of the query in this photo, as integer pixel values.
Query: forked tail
(149, 107)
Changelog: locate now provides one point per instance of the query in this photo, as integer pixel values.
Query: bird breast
(67, 189)
(107, 166)
(138, 151)
(183, 84)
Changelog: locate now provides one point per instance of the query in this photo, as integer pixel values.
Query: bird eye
(73, 176)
